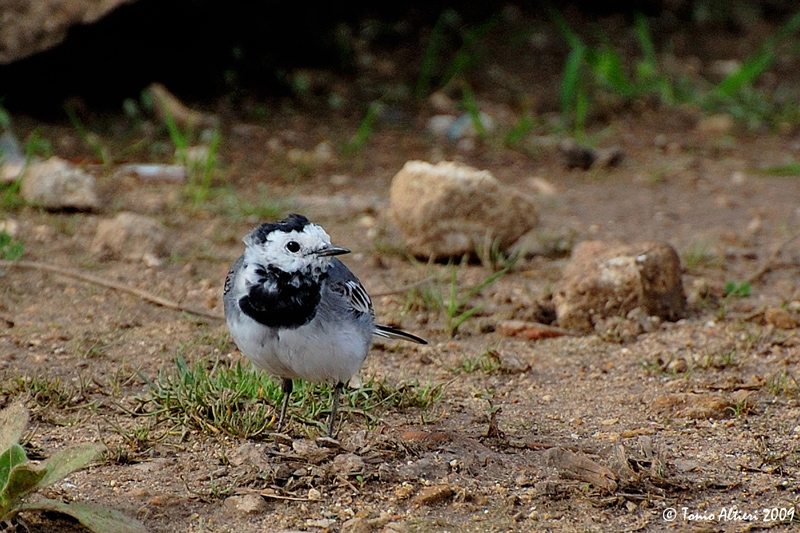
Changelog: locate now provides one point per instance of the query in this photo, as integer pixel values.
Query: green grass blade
(365, 129)
(519, 131)
(471, 106)
(746, 74)
(570, 82)
(463, 317)
(645, 41)
(606, 65)
(572, 38)
(91, 140)
(432, 52)
(466, 56)
(482, 285)
(756, 65)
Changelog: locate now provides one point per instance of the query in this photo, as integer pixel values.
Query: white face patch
(292, 251)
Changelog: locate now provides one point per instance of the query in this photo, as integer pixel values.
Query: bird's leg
(287, 393)
(337, 390)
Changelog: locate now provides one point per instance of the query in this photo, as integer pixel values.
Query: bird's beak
(330, 250)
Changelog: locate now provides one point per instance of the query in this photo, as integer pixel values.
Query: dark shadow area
(202, 50)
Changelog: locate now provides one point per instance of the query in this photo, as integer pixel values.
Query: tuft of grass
(200, 161)
(44, 391)
(719, 360)
(494, 258)
(758, 63)
(89, 138)
(137, 442)
(467, 57)
(234, 401)
(783, 382)
(448, 29)
(457, 305)
(5, 116)
(593, 72)
(36, 146)
(452, 299)
(10, 249)
(791, 167)
(19, 478)
(737, 95)
(436, 43)
(242, 401)
(520, 130)
(590, 70)
(487, 362)
(258, 206)
(700, 255)
(201, 172)
(470, 105)
(740, 408)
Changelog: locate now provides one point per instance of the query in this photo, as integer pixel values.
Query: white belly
(313, 353)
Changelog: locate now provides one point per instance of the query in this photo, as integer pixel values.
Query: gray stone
(246, 504)
(132, 237)
(449, 209)
(58, 184)
(348, 464)
(586, 157)
(606, 280)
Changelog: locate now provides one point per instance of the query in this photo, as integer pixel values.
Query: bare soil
(697, 416)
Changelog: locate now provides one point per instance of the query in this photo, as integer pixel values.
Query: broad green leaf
(22, 479)
(9, 459)
(99, 519)
(63, 463)
(13, 420)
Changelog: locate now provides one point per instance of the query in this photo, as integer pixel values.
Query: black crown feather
(293, 222)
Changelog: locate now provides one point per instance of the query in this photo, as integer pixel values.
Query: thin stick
(769, 264)
(88, 278)
(405, 288)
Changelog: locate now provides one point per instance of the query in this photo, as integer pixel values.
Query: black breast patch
(293, 304)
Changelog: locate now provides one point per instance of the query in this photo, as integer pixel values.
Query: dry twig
(88, 278)
(769, 264)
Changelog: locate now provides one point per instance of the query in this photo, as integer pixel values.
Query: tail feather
(389, 332)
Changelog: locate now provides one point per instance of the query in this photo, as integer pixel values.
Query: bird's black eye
(293, 247)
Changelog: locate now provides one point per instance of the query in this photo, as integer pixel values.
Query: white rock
(154, 171)
(10, 227)
(450, 209)
(132, 237)
(58, 184)
(11, 169)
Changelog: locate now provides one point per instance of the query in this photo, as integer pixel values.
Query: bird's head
(293, 244)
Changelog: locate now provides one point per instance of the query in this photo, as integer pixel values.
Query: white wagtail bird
(298, 312)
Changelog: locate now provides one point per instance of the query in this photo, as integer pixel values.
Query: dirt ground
(699, 416)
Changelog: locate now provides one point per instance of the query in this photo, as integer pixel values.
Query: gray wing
(228, 298)
(344, 283)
